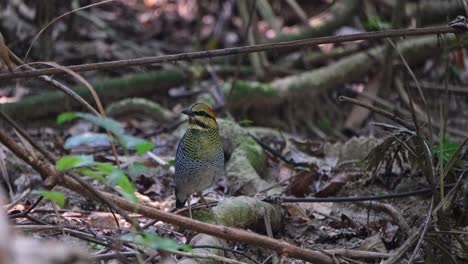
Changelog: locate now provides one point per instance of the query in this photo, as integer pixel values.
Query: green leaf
(144, 147)
(65, 117)
(446, 147)
(89, 139)
(141, 145)
(360, 164)
(169, 164)
(70, 162)
(57, 197)
(376, 23)
(325, 123)
(93, 174)
(150, 240)
(105, 167)
(118, 177)
(107, 123)
(246, 122)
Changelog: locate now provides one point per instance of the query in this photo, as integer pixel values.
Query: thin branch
(50, 157)
(438, 87)
(204, 256)
(56, 84)
(378, 111)
(423, 233)
(229, 250)
(57, 19)
(396, 216)
(188, 56)
(425, 191)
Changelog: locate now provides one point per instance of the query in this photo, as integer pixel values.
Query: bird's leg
(189, 201)
(202, 199)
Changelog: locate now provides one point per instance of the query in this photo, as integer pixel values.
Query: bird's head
(201, 117)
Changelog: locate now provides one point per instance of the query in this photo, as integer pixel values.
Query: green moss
(236, 212)
(204, 216)
(54, 102)
(254, 154)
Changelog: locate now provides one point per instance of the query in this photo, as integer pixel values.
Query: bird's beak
(187, 112)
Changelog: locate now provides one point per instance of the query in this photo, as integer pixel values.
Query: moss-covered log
(48, 104)
(252, 99)
(242, 212)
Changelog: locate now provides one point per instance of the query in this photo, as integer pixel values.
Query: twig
(298, 10)
(423, 233)
(357, 253)
(114, 255)
(390, 210)
(438, 87)
(55, 83)
(204, 256)
(379, 111)
(25, 135)
(234, 51)
(60, 17)
(401, 250)
(401, 111)
(229, 250)
(425, 191)
(272, 151)
(72, 93)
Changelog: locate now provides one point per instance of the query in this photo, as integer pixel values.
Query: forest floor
(305, 164)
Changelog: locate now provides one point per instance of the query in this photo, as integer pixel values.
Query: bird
(199, 160)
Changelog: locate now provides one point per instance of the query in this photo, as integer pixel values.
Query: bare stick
(423, 233)
(188, 56)
(378, 111)
(205, 256)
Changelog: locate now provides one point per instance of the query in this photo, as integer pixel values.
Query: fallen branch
(390, 210)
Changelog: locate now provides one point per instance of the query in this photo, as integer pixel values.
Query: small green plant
(118, 133)
(150, 240)
(108, 173)
(246, 122)
(103, 172)
(446, 148)
(57, 197)
(325, 124)
(376, 23)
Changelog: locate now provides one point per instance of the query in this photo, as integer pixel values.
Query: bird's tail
(179, 204)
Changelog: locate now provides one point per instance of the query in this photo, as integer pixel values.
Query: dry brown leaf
(373, 243)
(294, 209)
(336, 183)
(301, 184)
(102, 220)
